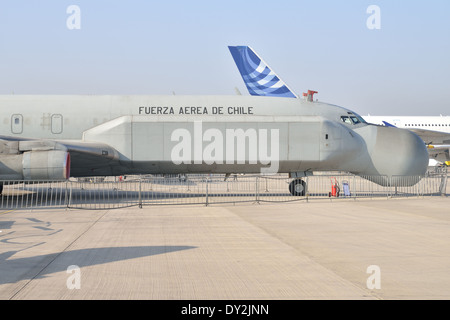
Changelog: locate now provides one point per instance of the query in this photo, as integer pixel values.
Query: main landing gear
(297, 188)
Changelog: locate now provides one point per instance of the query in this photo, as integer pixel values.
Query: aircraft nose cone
(399, 152)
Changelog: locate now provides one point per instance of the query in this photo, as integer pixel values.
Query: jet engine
(50, 165)
(46, 165)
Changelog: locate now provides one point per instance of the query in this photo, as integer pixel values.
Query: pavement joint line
(57, 255)
(8, 211)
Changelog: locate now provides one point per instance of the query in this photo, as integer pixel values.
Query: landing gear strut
(297, 188)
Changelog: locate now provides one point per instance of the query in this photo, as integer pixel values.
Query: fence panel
(110, 193)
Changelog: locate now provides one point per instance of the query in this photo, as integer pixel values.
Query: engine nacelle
(46, 165)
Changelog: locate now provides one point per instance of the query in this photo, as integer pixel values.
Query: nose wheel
(297, 188)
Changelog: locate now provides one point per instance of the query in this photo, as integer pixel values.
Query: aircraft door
(57, 123)
(17, 123)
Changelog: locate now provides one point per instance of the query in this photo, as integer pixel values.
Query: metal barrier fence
(108, 193)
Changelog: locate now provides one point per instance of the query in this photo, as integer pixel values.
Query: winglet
(257, 75)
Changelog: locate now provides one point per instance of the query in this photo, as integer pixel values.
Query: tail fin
(387, 124)
(257, 75)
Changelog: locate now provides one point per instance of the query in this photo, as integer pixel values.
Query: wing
(440, 153)
(438, 144)
(432, 137)
(29, 159)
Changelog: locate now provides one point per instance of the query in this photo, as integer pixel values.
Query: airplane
(55, 137)
(434, 131)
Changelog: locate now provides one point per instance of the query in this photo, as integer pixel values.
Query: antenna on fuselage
(309, 96)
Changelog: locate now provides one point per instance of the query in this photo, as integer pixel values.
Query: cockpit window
(355, 120)
(346, 120)
(352, 119)
(361, 120)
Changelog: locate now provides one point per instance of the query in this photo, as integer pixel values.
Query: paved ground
(315, 250)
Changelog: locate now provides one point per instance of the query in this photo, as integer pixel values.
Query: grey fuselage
(144, 134)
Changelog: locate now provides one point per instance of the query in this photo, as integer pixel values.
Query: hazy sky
(160, 47)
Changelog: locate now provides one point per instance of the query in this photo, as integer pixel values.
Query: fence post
(140, 191)
(206, 191)
(307, 189)
(256, 191)
(70, 197)
(443, 184)
(65, 196)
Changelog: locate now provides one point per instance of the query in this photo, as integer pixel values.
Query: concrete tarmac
(340, 249)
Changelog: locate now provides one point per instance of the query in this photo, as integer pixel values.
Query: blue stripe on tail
(258, 77)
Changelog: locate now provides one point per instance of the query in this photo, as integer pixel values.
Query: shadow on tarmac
(13, 270)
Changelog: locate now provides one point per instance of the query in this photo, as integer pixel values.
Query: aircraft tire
(297, 188)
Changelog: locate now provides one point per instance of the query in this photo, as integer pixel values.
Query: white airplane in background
(434, 131)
